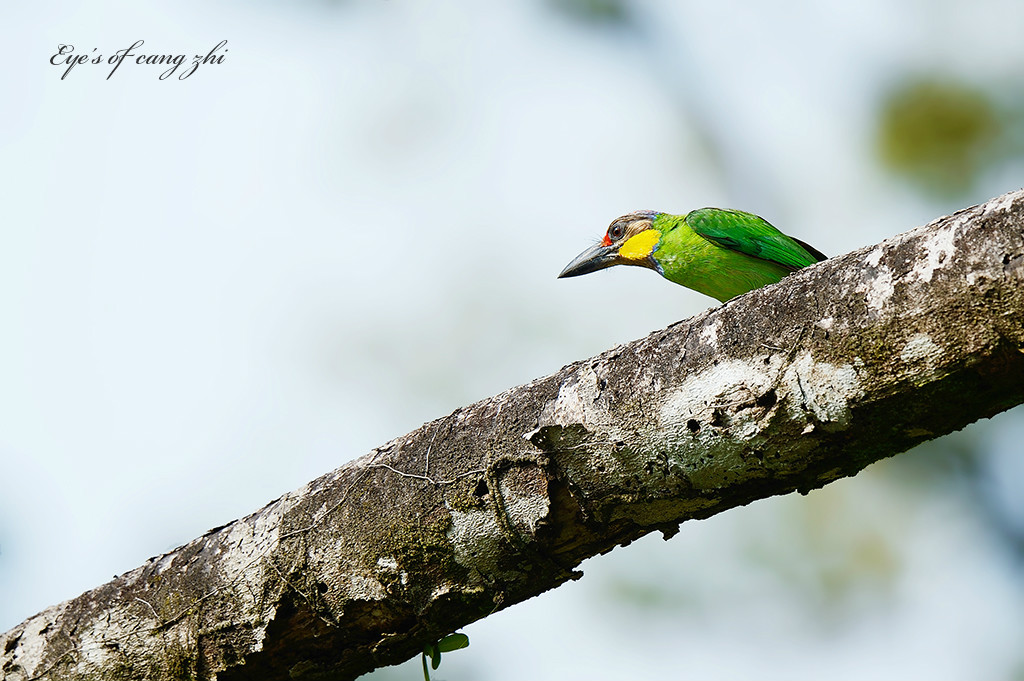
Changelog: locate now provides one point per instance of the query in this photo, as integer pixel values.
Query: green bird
(720, 253)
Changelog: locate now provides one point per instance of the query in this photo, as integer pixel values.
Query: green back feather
(752, 235)
(725, 253)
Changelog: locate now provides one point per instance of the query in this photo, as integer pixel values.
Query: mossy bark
(786, 388)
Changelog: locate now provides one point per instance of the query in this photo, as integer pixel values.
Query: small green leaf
(447, 644)
(453, 642)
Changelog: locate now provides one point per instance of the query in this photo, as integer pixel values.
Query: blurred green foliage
(829, 555)
(594, 11)
(940, 134)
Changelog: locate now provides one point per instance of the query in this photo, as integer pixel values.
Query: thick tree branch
(786, 388)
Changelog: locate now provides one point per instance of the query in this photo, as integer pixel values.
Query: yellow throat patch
(639, 246)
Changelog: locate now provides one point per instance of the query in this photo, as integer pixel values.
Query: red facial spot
(606, 241)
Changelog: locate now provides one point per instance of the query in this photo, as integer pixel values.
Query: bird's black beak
(591, 260)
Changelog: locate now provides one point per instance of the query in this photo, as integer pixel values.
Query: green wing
(754, 236)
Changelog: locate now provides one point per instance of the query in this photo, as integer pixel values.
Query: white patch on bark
(526, 511)
(94, 643)
(476, 540)
(730, 382)
(32, 642)
(575, 397)
(1003, 203)
(363, 588)
(939, 246)
(921, 347)
(389, 565)
(878, 289)
(709, 334)
(165, 562)
(440, 590)
(90, 643)
(476, 536)
(874, 257)
(249, 542)
(823, 389)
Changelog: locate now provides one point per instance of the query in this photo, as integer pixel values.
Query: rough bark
(785, 388)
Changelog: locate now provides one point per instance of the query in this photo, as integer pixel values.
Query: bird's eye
(615, 231)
